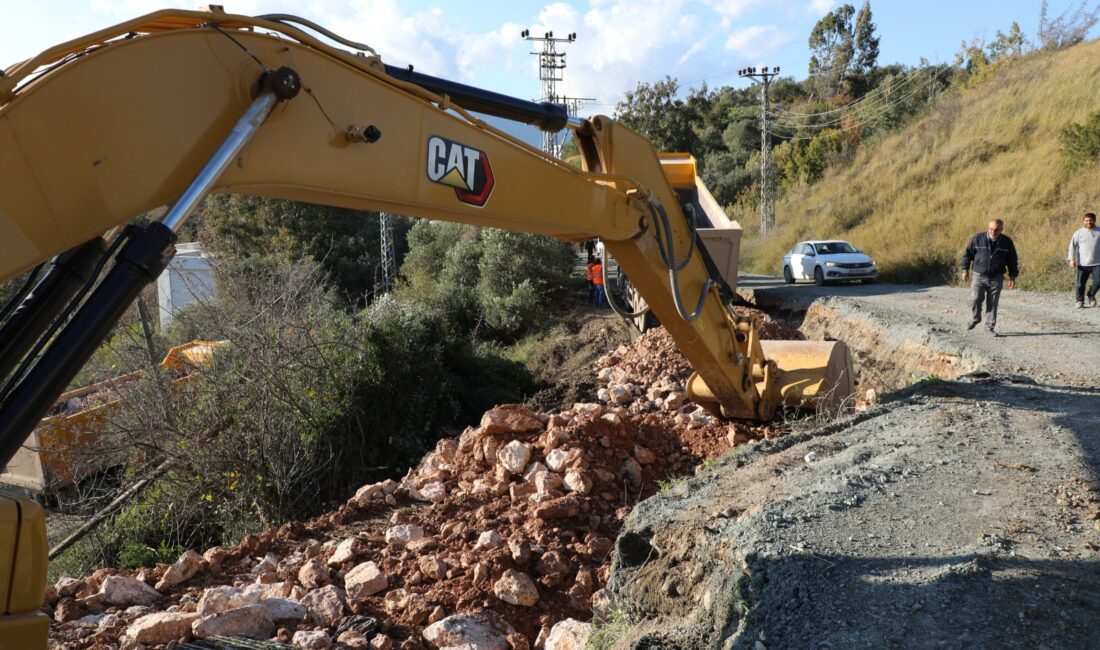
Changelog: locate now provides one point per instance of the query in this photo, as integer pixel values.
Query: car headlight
(831, 264)
(872, 262)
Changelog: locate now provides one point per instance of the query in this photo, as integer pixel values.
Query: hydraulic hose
(667, 248)
(618, 309)
(22, 293)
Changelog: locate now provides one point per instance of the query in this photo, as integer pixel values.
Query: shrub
(307, 404)
(1081, 142)
(486, 282)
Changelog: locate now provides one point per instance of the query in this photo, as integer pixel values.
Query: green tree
(832, 48)
(488, 282)
(345, 242)
(519, 275)
(1013, 44)
(654, 111)
(866, 41)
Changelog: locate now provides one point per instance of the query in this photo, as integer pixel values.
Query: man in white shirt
(1084, 255)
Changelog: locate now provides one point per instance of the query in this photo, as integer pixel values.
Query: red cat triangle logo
(464, 168)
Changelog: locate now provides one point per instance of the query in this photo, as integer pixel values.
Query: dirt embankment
(960, 512)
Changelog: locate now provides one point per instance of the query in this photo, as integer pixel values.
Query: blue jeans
(599, 295)
(1083, 275)
(591, 292)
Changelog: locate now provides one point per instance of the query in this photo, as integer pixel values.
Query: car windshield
(834, 247)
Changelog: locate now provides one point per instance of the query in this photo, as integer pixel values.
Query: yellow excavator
(167, 108)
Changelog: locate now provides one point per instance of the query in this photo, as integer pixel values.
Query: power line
(767, 195)
(865, 102)
(551, 71)
(861, 115)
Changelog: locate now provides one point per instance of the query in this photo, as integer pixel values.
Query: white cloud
(698, 47)
(821, 7)
(492, 48)
(758, 39)
(731, 8)
(619, 43)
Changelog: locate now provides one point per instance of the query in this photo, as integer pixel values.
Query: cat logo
(461, 167)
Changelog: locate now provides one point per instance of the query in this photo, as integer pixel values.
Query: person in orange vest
(597, 279)
(590, 277)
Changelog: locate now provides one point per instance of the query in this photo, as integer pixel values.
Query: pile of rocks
(500, 538)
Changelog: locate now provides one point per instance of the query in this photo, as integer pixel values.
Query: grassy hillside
(988, 150)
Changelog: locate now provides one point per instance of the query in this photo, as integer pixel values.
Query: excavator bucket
(810, 374)
(814, 374)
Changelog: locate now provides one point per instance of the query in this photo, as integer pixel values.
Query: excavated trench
(889, 353)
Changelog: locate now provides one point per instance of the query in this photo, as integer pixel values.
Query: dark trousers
(599, 295)
(987, 289)
(1083, 275)
(591, 292)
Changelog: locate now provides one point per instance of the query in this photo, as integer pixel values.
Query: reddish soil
(610, 455)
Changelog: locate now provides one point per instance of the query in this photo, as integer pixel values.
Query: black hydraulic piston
(141, 259)
(545, 115)
(66, 274)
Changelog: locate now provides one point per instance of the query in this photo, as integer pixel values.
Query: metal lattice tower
(551, 71)
(389, 256)
(767, 182)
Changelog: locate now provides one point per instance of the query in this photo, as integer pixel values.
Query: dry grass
(913, 198)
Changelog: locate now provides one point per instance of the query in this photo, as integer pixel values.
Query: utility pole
(551, 71)
(767, 189)
(389, 256)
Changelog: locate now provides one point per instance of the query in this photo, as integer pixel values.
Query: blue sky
(619, 42)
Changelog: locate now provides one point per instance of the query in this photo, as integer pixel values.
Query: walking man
(990, 253)
(1084, 255)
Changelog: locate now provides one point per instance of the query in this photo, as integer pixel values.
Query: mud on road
(960, 512)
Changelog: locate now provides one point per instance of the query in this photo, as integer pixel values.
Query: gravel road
(960, 512)
(1043, 334)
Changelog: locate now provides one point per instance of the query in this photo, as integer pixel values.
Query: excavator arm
(162, 110)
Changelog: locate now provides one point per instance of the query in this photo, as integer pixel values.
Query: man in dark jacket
(990, 253)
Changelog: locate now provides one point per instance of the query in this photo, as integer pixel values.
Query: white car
(828, 261)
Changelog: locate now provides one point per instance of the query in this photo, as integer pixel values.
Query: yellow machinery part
(49, 460)
(68, 174)
(22, 574)
(816, 375)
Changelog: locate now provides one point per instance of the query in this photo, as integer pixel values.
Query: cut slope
(989, 150)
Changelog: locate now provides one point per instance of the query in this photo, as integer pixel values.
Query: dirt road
(960, 512)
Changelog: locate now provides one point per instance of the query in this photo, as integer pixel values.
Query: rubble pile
(500, 538)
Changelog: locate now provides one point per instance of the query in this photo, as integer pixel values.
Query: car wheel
(819, 276)
(788, 277)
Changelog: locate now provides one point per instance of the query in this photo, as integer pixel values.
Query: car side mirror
(812, 254)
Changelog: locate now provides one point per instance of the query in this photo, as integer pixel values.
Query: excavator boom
(163, 109)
